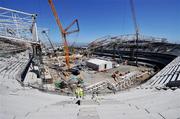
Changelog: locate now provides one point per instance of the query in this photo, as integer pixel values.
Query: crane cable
(73, 45)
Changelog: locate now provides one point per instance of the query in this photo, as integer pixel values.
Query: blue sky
(98, 18)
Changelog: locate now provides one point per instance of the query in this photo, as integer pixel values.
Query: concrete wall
(93, 66)
(100, 67)
(109, 65)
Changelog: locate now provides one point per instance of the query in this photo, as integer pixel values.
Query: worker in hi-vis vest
(79, 94)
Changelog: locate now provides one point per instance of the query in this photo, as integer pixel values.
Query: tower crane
(64, 32)
(135, 26)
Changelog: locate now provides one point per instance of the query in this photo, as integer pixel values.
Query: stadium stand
(168, 74)
(10, 67)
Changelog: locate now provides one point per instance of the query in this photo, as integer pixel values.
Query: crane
(64, 32)
(135, 26)
(44, 32)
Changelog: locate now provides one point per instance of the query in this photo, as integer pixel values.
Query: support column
(34, 30)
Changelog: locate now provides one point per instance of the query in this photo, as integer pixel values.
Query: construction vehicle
(64, 32)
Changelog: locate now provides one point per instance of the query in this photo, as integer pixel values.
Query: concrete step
(87, 113)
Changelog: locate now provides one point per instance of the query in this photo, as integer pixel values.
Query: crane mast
(64, 32)
(135, 26)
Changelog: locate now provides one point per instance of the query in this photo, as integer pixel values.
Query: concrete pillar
(34, 30)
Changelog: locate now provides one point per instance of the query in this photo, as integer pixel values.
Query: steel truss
(18, 25)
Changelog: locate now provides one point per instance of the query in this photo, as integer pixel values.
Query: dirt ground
(92, 77)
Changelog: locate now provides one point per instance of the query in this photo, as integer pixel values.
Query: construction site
(130, 76)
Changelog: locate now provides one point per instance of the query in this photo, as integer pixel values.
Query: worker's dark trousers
(78, 102)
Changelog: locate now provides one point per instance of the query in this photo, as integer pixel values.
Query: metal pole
(137, 38)
(2, 8)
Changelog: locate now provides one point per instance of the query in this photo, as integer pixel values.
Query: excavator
(64, 32)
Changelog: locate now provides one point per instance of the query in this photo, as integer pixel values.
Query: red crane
(64, 32)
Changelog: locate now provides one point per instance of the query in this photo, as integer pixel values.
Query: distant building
(99, 65)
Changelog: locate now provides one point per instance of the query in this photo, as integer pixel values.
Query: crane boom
(44, 32)
(64, 32)
(56, 16)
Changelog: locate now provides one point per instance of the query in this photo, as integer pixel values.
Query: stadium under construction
(126, 76)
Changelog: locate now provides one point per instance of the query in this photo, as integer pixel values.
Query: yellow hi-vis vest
(79, 92)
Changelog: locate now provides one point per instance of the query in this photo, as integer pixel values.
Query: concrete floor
(92, 77)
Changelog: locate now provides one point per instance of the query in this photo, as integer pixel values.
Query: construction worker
(115, 76)
(95, 97)
(79, 94)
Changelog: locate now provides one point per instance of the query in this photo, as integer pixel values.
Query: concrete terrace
(26, 103)
(19, 102)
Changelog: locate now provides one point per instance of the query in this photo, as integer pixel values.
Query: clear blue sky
(97, 18)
